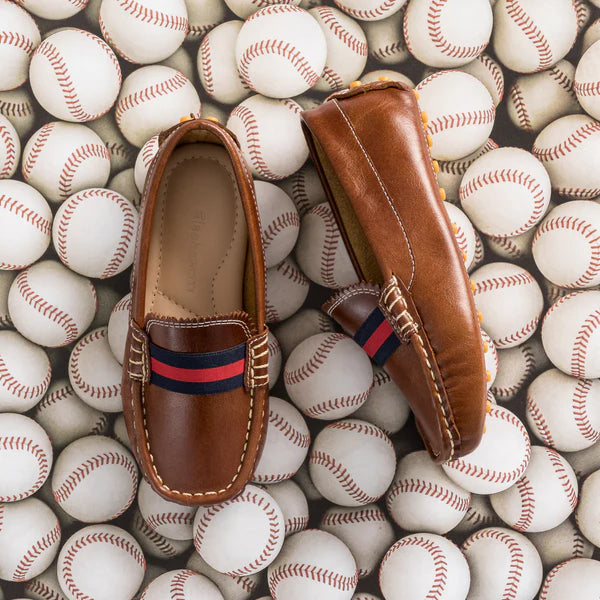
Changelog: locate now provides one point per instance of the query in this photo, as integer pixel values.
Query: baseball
(168, 519)
(18, 107)
(118, 325)
(241, 536)
(10, 148)
(571, 334)
(153, 544)
(203, 16)
(377, 75)
(313, 564)
(279, 220)
(510, 302)
(490, 355)
(460, 113)
(143, 161)
(347, 477)
(587, 81)
(51, 305)
(479, 514)
(25, 457)
(63, 158)
(124, 183)
(102, 562)
(293, 504)
(122, 154)
(419, 563)
(65, 418)
(44, 586)
(145, 31)
(52, 9)
(500, 459)
(19, 36)
(217, 66)
(152, 99)
(63, 82)
(276, 69)
(310, 376)
(385, 39)
(584, 462)
(590, 35)
(463, 232)
(515, 248)
(94, 232)
(302, 325)
(287, 288)
(438, 37)
(577, 577)
(423, 498)
(108, 296)
(588, 515)
(29, 537)
(181, 584)
(489, 72)
(6, 279)
(304, 188)
(365, 530)
(25, 225)
(270, 135)
(24, 373)
(566, 148)
(370, 10)
(517, 570)
(529, 36)
(505, 192)
(321, 252)
(286, 443)
(245, 8)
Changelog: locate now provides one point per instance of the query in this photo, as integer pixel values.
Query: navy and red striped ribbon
(198, 373)
(377, 337)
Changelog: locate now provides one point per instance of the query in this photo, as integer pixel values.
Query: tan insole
(199, 237)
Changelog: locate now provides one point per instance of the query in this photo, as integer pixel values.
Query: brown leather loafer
(195, 381)
(417, 315)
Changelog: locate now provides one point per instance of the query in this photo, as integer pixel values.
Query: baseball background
(510, 93)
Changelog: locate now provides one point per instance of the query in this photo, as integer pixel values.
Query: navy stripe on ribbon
(377, 337)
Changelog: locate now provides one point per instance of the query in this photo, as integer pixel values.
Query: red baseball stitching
(154, 17)
(462, 119)
(22, 443)
(563, 476)
(496, 73)
(177, 585)
(154, 521)
(287, 219)
(458, 167)
(149, 151)
(332, 78)
(549, 578)
(364, 515)
(578, 543)
(160, 542)
(29, 215)
(478, 519)
(295, 524)
(388, 50)
(124, 304)
(496, 283)
(537, 416)
(582, 341)
(330, 244)
(361, 428)
(27, 560)
(16, 39)
(74, 161)
(508, 392)
(367, 14)
(507, 244)
(11, 384)
(461, 239)
(563, 80)
(520, 107)
(291, 272)
(519, 335)
(41, 137)
(316, 360)
(302, 440)
(205, 63)
(427, 488)
(329, 19)
(580, 413)
(99, 427)
(527, 499)
(15, 109)
(301, 199)
(314, 573)
(580, 193)
(54, 397)
(35, 586)
(274, 9)
(568, 145)
(588, 88)
(322, 408)
(10, 155)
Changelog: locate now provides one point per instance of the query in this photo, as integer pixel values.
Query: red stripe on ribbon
(198, 375)
(377, 338)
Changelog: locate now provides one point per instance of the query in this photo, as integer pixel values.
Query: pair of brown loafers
(195, 383)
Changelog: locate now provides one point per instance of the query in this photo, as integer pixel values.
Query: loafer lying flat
(195, 381)
(417, 315)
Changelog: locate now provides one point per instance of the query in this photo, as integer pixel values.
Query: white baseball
(25, 457)
(517, 571)
(463, 232)
(500, 459)
(10, 148)
(435, 33)
(591, 35)
(479, 514)
(182, 584)
(169, 519)
(119, 431)
(25, 224)
(561, 543)
(303, 324)
(321, 252)
(44, 586)
(384, 75)
(95, 373)
(280, 69)
(587, 81)
(588, 513)
(144, 31)
(63, 82)
(460, 113)
(576, 578)
(489, 72)
(287, 288)
(63, 158)
(423, 498)
(365, 530)
(19, 36)
(217, 66)
(122, 154)
(566, 246)
(18, 107)
(181, 60)
(94, 479)
(514, 248)
(421, 563)
(510, 302)
(50, 305)
(204, 15)
(94, 232)
(312, 376)
(345, 476)
(245, 8)
(152, 99)
(536, 100)
(118, 326)
(293, 504)
(385, 39)
(65, 418)
(53, 9)
(303, 479)
(571, 334)
(585, 461)
(102, 562)
(304, 188)
(370, 10)
(566, 148)
(29, 537)
(153, 544)
(279, 220)
(144, 160)
(347, 48)
(124, 183)
(275, 358)
(505, 192)
(270, 135)
(543, 497)
(386, 407)
(241, 536)
(24, 373)
(286, 443)
(6, 279)
(108, 296)
(490, 355)
(313, 564)
(584, 13)
(529, 36)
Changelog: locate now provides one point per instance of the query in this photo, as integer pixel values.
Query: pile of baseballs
(344, 503)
